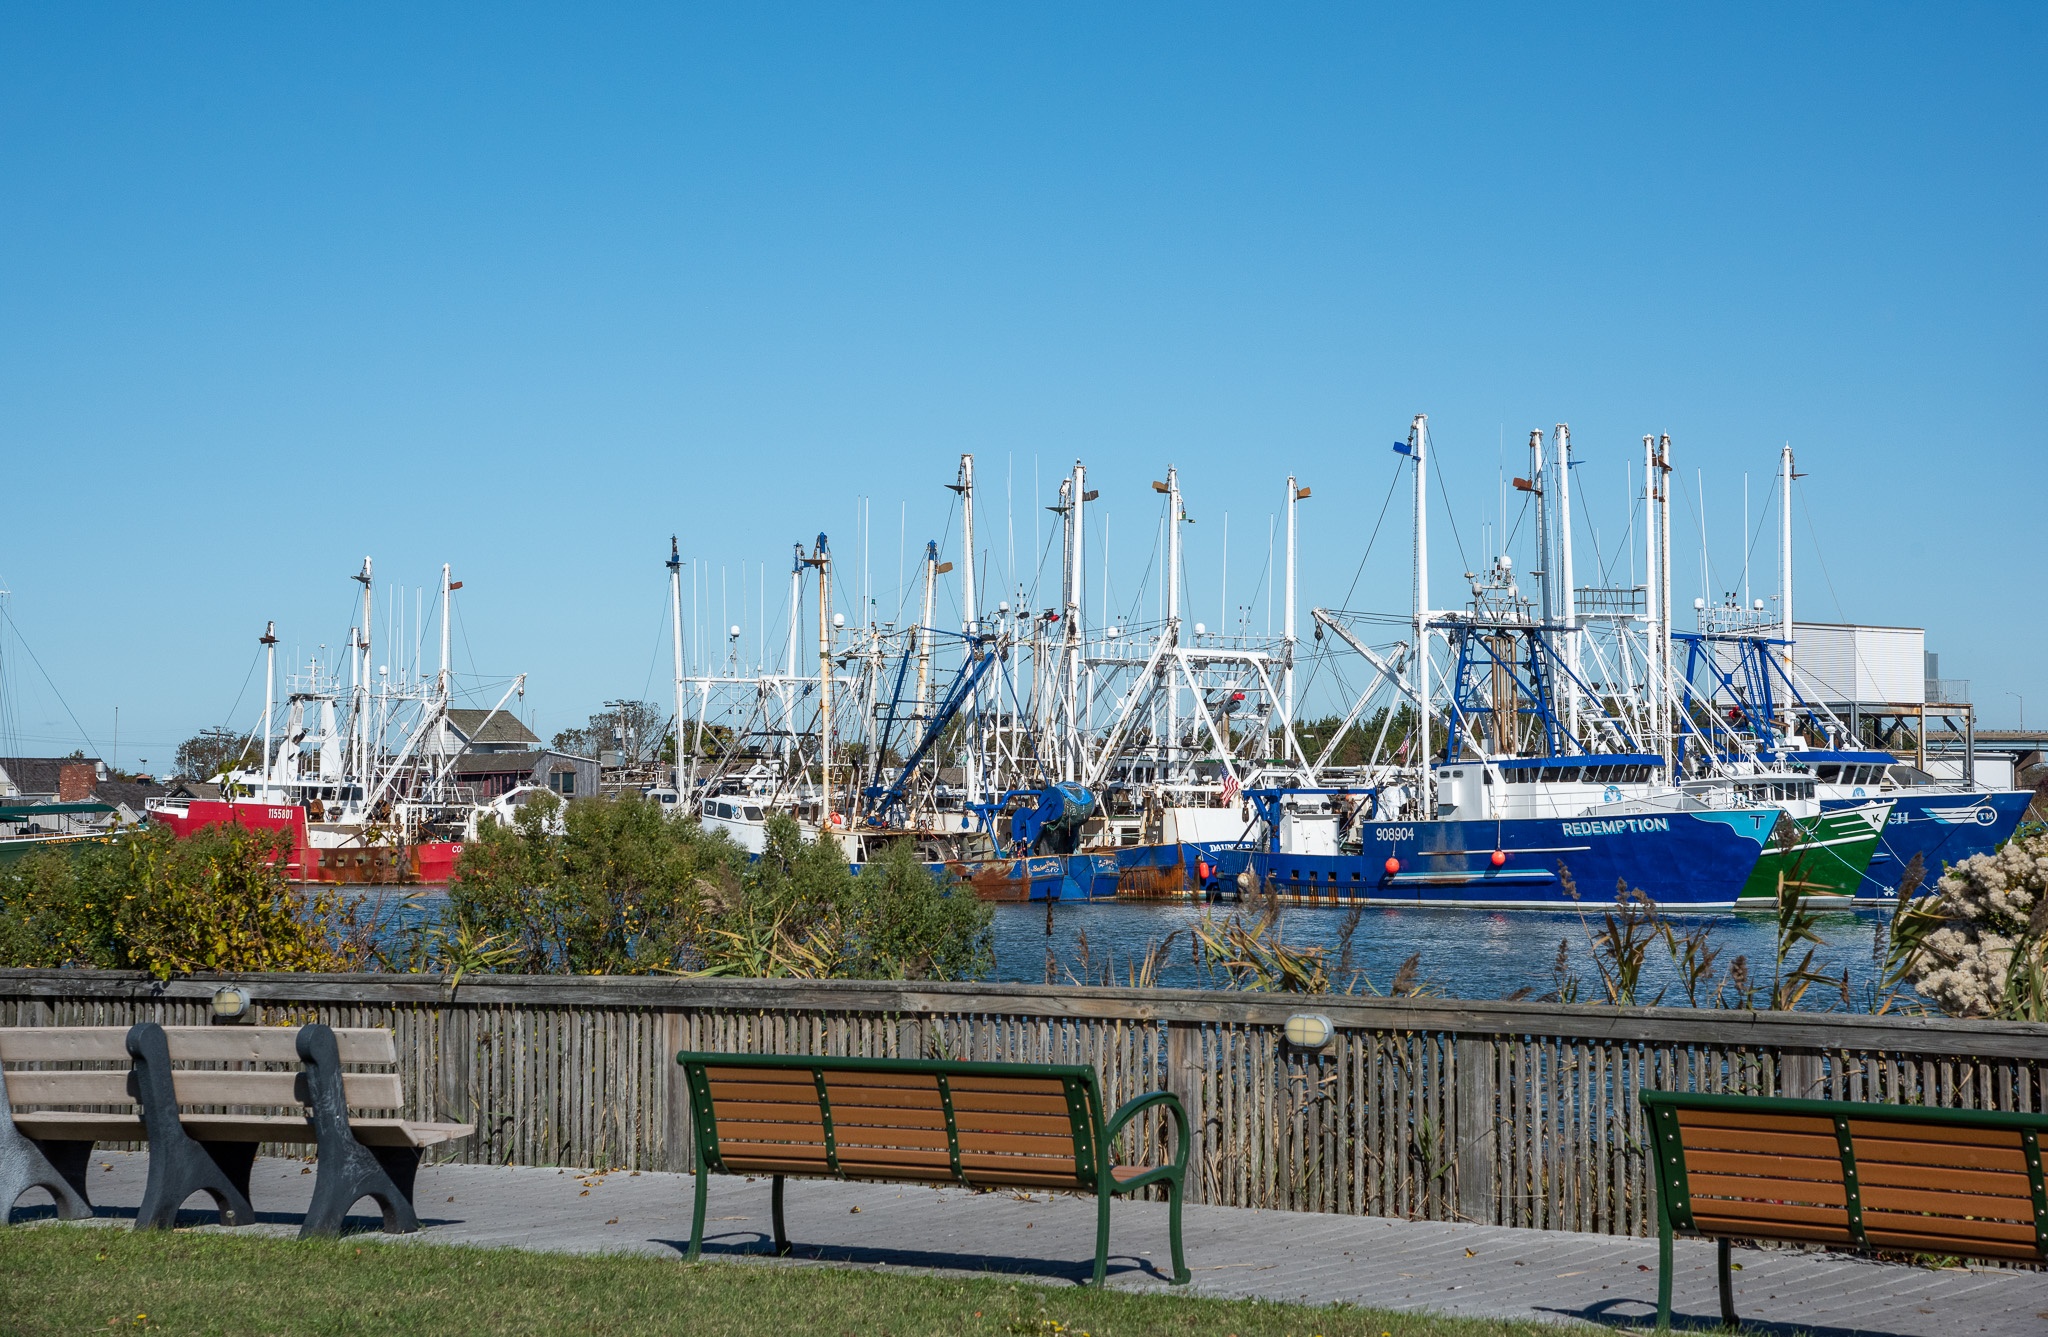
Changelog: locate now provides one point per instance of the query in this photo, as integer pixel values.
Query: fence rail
(1507, 1113)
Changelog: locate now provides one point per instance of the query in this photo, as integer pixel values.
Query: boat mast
(969, 616)
(1785, 577)
(269, 643)
(675, 619)
(822, 559)
(1077, 542)
(1172, 631)
(1670, 704)
(1418, 447)
(1541, 487)
(924, 632)
(796, 604)
(362, 701)
(1562, 440)
(1294, 495)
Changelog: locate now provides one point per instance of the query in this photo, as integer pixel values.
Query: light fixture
(230, 1005)
(1310, 1030)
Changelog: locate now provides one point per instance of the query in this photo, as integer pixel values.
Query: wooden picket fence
(1518, 1114)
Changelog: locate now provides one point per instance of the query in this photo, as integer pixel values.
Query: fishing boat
(360, 780)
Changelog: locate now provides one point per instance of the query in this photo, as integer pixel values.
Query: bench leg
(781, 1235)
(180, 1167)
(697, 1216)
(1175, 1190)
(58, 1167)
(1728, 1319)
(1102, 1197)
(1663, 1273)
(350, 1172)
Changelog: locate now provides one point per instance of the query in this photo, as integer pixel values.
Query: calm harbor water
(1463, 953)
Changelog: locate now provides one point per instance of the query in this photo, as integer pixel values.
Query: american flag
(1229, 788)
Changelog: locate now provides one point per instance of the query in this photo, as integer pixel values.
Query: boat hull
(1691, 860)
(1942, 829)
(426, 863)
(1826, 862)
(1046, 877)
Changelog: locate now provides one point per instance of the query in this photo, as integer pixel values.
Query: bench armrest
(1130, 1110)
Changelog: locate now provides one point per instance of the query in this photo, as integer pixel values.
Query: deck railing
(1518, 1114)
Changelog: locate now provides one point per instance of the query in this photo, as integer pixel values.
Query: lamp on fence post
(1308, 1033)
(231, 1006)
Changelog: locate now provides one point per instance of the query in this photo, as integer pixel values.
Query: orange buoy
(1393, 866)
(1499, 858)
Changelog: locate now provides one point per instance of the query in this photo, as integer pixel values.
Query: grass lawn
(77, 1279)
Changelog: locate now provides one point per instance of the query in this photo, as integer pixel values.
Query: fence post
(1184, 1079)
(681, 1148)
(454, 1098)
(1800, 1074)
(1472, 1130)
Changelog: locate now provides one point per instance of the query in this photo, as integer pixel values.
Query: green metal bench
(979, 1125)
(1863, 1176)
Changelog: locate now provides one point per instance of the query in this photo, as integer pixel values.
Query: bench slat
(1744, 1227)
(1898, 1130)
(979, 1122)
(1017, 1086)
(365, 1090)
(1960, 1156)
(1949, 1227)
(188, 1044)
(1928, 1243)
(845, 1117)
(272, 1044)
(1774, 1144)
(994, 1102)
(1744, 1188)
(765, 1093)
(1949, 1202)
(76, 1087)
(72, 1126)
(63, 1044)
(1997, 1183)
(1783, 1167)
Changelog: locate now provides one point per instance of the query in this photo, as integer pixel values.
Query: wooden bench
(980, 1125)
(193, 1152)
(1864, 1176)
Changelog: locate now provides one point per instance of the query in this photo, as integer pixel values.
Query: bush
(218, 900)
(612, 886)
(1982, 936)
(605, 887)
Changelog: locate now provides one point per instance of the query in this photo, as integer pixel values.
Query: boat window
(710, 808)
(753, 813)
(1827, 773)
(725, 810)
(1549, 774)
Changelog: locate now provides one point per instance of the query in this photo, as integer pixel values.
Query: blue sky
(527, 290)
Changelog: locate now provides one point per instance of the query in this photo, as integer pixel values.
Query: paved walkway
(1454, 1269)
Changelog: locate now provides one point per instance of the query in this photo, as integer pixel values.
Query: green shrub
(218, 901)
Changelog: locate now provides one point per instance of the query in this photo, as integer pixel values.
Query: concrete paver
(1482, 1271)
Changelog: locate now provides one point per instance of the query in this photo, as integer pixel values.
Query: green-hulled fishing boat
(1822, 857)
